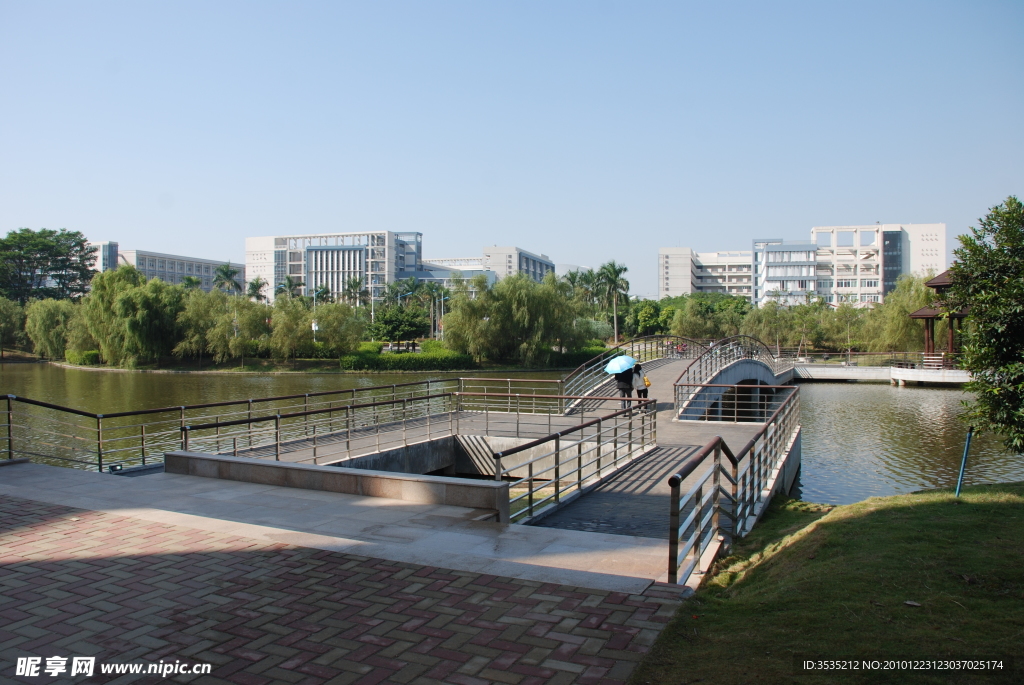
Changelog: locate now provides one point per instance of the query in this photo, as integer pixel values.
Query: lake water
(859, 439)
(871, 439)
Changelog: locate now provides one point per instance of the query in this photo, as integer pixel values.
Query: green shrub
(430, 346)
(426, 361)
(87, 358)
(368, 346)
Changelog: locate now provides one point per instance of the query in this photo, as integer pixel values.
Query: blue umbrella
(620, 364)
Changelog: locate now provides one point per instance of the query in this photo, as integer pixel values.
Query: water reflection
(114, 391)
(861, 440)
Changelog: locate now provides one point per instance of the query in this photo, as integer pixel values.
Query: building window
(869, 284)
(846, 283)
(826, 283)
(869, 298)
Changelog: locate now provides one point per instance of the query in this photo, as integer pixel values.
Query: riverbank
(916, 576)
(298, 367)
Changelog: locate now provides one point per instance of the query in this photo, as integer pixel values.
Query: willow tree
(196, 322)
(516, 319)
(46, 323)
(133, 320)
(889, 327)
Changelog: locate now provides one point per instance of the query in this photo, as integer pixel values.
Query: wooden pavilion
(939, 284)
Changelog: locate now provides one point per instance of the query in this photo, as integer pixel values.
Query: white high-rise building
(682, 271)
(376, 258)
(862, 263)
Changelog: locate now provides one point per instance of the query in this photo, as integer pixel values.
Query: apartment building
(174, 268)
(503, 261)
(376, 258)
(860, 264)
(682, 271)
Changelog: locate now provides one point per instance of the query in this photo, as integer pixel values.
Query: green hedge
(574, 359)
(87, 358)
(425, 361)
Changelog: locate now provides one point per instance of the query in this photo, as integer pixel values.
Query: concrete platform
(431, 535)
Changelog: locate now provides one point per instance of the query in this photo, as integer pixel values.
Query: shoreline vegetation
(918, 576)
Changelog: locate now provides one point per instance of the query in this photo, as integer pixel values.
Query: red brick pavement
(84, 583)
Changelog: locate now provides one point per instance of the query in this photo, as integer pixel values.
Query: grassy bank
(913, 576)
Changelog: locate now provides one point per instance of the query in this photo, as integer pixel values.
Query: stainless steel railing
(719, 356)
(715, 499)
(590, 379)
(559, 467)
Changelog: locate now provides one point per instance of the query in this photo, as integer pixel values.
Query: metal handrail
(628, 433)
(643, 349)
(719, 356)
(695, 517)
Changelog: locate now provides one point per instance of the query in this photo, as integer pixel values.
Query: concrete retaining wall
(419, 458)
(835, 372)
(458, 492)
(944, 376)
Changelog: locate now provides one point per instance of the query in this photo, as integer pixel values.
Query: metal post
(314, 443)
(529, 496)
(558, 465)
(10, 429)
(185, 435)
(673, 533)
(216, 420)
(234, 447)
(963, 462)
(183, 425)
(598, 440)
(305, 408)
(405, 431)
(277, 438)
(250, 424)
(99, 442)
(579, 462)
(143, 444)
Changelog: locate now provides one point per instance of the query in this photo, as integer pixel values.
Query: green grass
(834, 582)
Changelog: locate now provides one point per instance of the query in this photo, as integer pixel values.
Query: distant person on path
(640, 382)
(624, 382)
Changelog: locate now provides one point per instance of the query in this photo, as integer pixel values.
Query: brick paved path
(83, 583)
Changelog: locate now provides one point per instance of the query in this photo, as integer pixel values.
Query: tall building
(106, 255)
(503, 261)
(862, 263)
(173, 268)
(681, 271)
(783, 271)
(376, 258)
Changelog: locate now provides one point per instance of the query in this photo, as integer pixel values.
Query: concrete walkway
(635, 502)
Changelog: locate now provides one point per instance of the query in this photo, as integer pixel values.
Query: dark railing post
(143, 444)
(10, 429)
(182, 425)
(673, 531)
(184, 437)
(99, 442)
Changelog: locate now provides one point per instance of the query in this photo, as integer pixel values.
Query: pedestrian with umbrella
(622, 368)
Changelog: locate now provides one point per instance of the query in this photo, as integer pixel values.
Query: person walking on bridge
(624, 382)
(640, 382)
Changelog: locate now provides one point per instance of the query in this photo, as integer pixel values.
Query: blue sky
(587, 131)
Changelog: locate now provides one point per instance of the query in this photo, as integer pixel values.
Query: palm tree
(355, 293)
(288, 286)
(224, 278)
(191, 282)
(256, 288)
(612, 284)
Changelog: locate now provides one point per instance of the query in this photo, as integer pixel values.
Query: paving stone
(260, 613)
